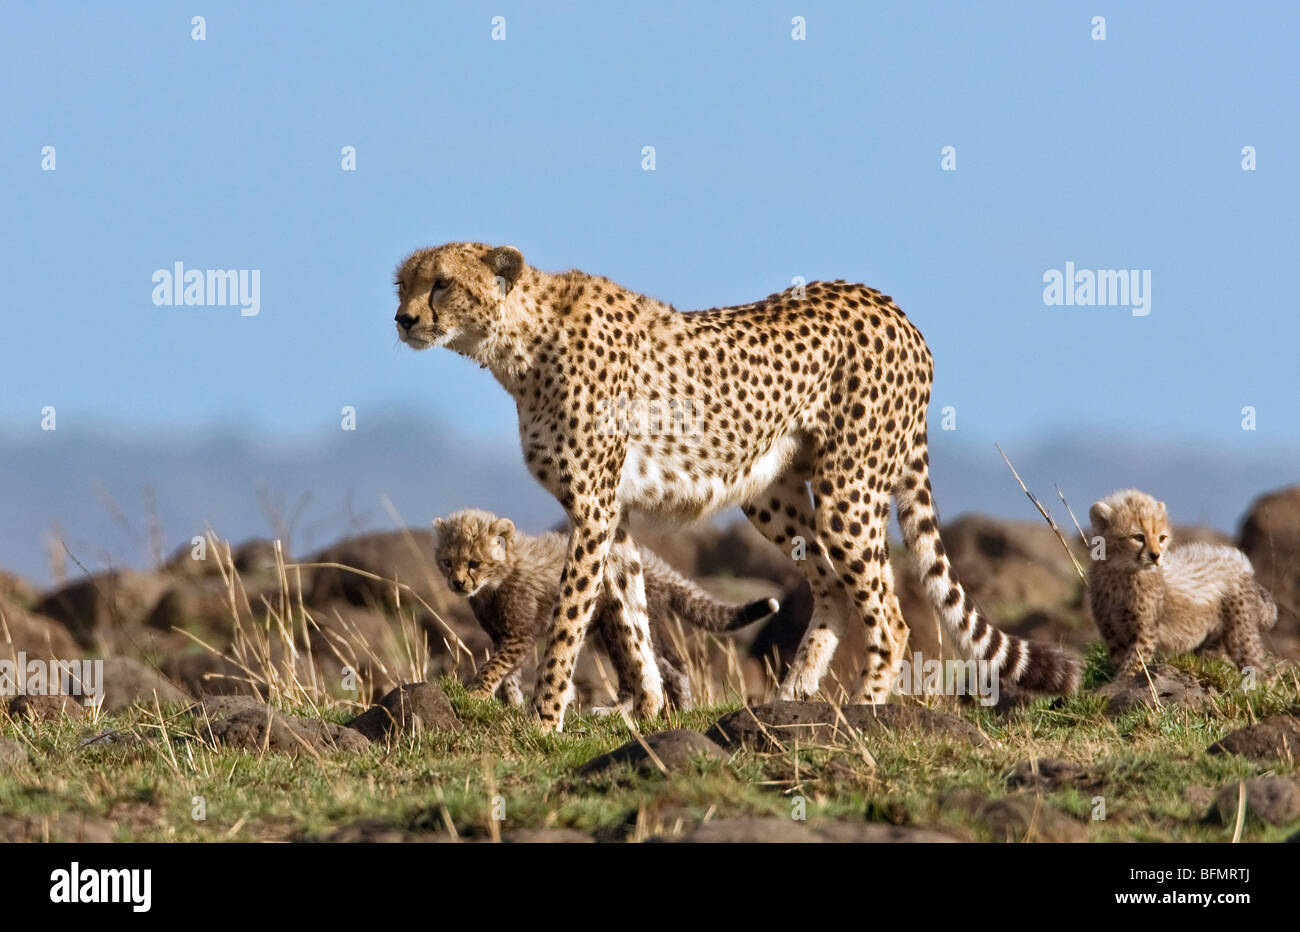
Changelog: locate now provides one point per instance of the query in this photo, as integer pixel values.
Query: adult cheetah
(807, 408)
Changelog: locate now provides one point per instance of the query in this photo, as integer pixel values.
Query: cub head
(1135, 527)
(453, 295)
(473, 549)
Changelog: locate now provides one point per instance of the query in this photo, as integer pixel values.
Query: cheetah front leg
(581, 585)
(628, 629)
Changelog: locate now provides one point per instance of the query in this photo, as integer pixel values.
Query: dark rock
(37, 636)
(407, 557)
(1167, 684)
(264, 729)
(100, 610)
(127, 682)
(1275, 738)
(1017, 817)
(202, 672)
(45, 708)
(57, 827)
(1270, 536)
(871, 833)
(1275, 800)
(15, 590)
(773, 724)
(409, 707)
(677, 750)
(546, 836)
(1049, 773)
(752, 830)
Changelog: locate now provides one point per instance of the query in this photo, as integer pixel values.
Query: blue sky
(775, 158)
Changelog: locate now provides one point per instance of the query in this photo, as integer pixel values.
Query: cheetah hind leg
(871, 689)
(781, 514)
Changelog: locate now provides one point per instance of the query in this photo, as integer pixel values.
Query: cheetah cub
(513, 582)
(1148, 598)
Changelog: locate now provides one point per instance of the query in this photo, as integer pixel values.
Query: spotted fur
(807, 408)
(1148, 597)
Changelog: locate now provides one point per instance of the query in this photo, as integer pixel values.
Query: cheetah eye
(446, 564)
(1163, 538)
(473, 564)
(1140, 538)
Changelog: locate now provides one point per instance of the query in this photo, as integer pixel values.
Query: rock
(547, 836)
(1017, 817)
(257, 556)
(677, 750)
(407, 708)
(1275, 738)
(218, 705)
(1270, 536)
(12, 754)
(58, 827)
(877, 833)
(1198, 797)
(201, 672)
(128, 681)
(1275, 800)
(1048, 773)
(1005, 564)
(39, 637)
(265, 729)
(1028, 818)
(100, 610)
(772, 724)
(205, 603)
(15, 590)
(405, 556)
(1171, 686)
(366, 641)
(752, 830)
(45, 708)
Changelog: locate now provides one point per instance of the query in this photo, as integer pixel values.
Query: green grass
(1140, 763)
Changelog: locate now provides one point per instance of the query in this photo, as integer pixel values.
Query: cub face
(473, 549)
(1135, 527)
(452, 295)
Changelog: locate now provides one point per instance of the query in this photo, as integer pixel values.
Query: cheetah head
(1135, 527)
(473, 549)
(453, 295)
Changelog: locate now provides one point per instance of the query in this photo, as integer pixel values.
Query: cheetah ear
(439, 526)
(1100, 513)
(506, 262)
(503, 528)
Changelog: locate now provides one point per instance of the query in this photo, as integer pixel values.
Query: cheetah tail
(692, 604)
(1029, 664)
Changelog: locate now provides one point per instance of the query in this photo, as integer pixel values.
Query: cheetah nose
(405, 321)
(458, 585)
(1155, 558)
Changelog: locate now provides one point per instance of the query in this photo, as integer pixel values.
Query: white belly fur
(702, 495)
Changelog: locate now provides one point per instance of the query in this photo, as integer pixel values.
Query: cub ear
(439, 526)
(507, 263)
(1100, 513)
(503, 528)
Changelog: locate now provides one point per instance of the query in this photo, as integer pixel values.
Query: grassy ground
(1140, 764)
